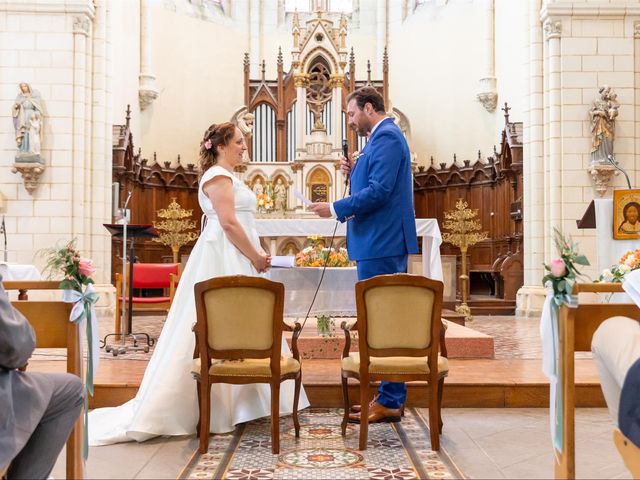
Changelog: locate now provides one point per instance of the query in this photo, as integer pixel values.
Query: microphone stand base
(122, 347)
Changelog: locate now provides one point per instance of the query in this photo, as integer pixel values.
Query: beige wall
(198, 69)
(436, 61)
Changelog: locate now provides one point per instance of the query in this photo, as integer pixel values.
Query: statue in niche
(280, 196)
(28, 116)
(245, 124)
(258, 188)
(603, 117)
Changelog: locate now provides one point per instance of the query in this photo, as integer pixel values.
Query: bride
(166, 403)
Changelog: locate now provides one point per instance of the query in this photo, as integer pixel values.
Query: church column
(382, 31)
(255, 34)
(337, 82)
(553, 162)
(531, 295)
(148, 91)
(487, 94)
(81, 28)
(99, 175)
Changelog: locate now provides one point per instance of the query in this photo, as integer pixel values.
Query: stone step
(461, 342)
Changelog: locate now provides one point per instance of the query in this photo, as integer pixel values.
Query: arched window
(264, 134)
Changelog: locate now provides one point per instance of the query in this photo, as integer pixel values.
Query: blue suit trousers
(390, 394)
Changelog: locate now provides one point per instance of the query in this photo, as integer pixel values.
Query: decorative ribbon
(84, 311)
(550, 367)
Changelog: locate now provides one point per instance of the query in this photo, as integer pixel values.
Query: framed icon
(626, 214)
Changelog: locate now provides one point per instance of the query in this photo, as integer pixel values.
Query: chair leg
(345, 397)
(275, 418)
(199, 388)
(296, 398)
(440, 389)
(433, 416)
(364, 414)
(205, 416)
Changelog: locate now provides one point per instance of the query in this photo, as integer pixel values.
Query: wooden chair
(575, 331)
(400, 330)
(50, 321)
(149, 275)
(629, 452)
(241, 318)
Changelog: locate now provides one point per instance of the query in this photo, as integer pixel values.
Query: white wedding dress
(166, 403)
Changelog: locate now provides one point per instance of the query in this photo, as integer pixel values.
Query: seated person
(37, 410)
(616, 349)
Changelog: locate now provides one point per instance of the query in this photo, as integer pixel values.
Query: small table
(19, 272)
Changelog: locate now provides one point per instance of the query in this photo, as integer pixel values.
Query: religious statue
(603, 116)
(27, 115)
(258, 188)
(245, 124)
(280, 195)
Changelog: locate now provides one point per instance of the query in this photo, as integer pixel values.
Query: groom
(381, 231)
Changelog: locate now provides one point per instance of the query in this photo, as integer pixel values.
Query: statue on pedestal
(280, 196)
(28, 116)
(603, 117)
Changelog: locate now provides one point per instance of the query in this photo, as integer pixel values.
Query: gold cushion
(393, 365)
(399, 316)
(247, 367)
(240, 318)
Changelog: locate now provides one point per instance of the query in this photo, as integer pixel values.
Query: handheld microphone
(616, 164)
(345, 152)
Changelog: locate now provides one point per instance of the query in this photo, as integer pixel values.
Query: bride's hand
(262, 262)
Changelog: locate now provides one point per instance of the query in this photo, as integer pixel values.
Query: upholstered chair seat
(394, 365)
(248, 367)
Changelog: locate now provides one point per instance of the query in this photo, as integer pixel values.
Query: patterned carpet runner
(394, 451)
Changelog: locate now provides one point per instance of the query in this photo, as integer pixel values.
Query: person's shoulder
(215, 171)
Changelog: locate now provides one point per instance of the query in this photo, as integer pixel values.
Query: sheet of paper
(302, 198)
(283, 261)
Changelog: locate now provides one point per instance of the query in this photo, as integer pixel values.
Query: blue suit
(381, 228)
(629, 411)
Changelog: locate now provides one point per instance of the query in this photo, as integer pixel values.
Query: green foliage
(65, 261)
(563, 285)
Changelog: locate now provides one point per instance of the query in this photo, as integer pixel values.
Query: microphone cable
(333, 236)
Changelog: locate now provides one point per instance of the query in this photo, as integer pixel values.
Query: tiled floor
(483, 443)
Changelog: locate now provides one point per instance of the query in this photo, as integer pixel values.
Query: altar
(427, 228)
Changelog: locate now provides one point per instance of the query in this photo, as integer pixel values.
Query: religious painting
(626, 214)
(319, 183)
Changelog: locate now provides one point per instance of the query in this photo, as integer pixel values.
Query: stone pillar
(148, 91)
(553, 160)
(81, 29)
(382, 33)
(255, 35)
(530, 296)
(488, 94)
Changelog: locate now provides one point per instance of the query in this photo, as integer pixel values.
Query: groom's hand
(321, 209)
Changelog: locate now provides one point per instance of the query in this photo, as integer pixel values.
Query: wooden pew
(575, 330)
(50, 321)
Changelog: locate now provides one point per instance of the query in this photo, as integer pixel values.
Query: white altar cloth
(427, 228)
(19, 272)
(336, 296)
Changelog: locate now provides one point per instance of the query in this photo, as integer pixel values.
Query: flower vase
(324, 325)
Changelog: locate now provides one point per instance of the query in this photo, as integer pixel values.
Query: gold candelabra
(463, 232)
(174, 228)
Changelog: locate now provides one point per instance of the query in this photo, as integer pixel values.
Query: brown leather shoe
(378, 414)
(357, 408)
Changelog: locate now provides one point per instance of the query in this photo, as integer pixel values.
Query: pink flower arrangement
(76, 271)
(558, 268)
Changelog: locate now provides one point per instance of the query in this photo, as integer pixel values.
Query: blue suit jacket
(380, 207)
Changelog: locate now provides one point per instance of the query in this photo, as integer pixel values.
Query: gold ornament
(463, 232)
(174, 228)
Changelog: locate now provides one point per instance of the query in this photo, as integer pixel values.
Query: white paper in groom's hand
(302, 198)
(283, 261)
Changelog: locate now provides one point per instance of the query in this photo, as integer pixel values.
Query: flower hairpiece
(207, 144)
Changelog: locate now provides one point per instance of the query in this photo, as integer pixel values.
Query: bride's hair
(215, 136)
